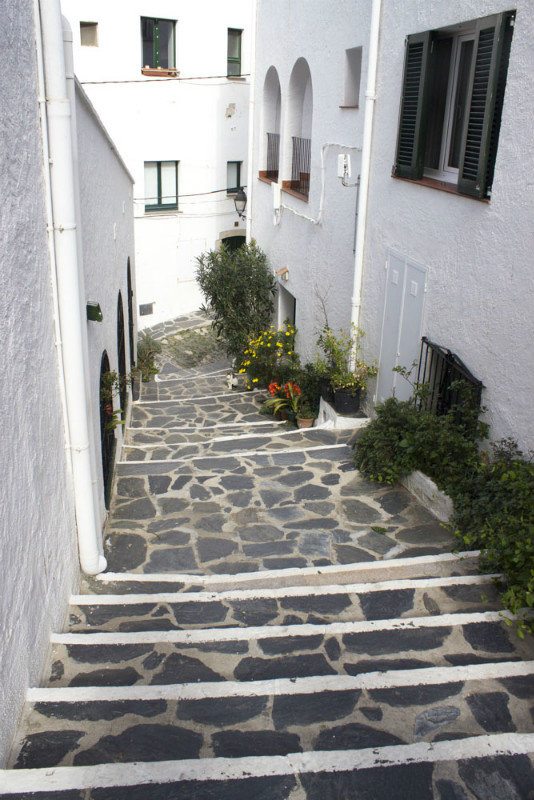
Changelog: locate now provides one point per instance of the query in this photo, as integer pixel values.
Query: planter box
(425, 490)
(329, 418)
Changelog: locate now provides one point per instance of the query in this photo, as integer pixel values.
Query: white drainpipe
(370, 99)
(251, 108)
(68, 269)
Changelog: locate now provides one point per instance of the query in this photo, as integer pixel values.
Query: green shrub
(147, 349)
(381, 450)
(265, 352)
(239, 288)
(191, 348)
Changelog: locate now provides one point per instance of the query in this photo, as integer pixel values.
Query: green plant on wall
(111, 385)
(147, 349)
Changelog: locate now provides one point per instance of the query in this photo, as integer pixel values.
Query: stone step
(244, 513)
(198, 411)
(175, 388)
(436, 566)
(266, 426)
(290, 651)
(294, 605)
(423, 771)
(179, 446)
(89, 726)
(170, 371)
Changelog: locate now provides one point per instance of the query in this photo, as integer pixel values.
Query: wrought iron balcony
(273, 156)
(300, 166)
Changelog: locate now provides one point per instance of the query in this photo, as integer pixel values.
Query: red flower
(291, 390)
(273, 388)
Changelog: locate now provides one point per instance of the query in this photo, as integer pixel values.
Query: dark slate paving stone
(384, 665)
(101, 710)
(143, 508)
(286, 514)
(268, 788)
(68, 795)
(431, 532)
(125, 551)
(392, 641)
(106, 677)
(210, 549)
(173, 538)
(487, 636)
(432, 719)
(283, 459)
(167, 524)
(431, 606)
(315, 543)
(499, 777)
(521, 686)
(252, 669)
(212, 523)
(394, 783)
(221, 711)
(106, 653)
(403, 696)
(394, 501)
(290, 644)
(450, 790)
(461, 659)
(233, 482)
(223, 647)
(254, 612)
(347, 554)
(272, 497)
(130, 487)
(284, 563)
(354, 736)
(333, 649)
(180, 482)
(319, 604)
(171, 505)
(47, 749)
(234, 567)
(237, 744)
(413, 552)
(297, 478)
(199, 492)
(377, 542)
(388, 604)
(311, 492)
(490, 709)
(198, 613)
(330, 480)
(100, 615)
(320, 507)
(357, 511)
(153, 660)
(372, 713)
(308, 709)
(179, 668)
(319, 523)
(260, 533)
(467, 594)
(239, 499)
(169, 559)
(268, 549)
(143, 743)
(57, 671)
(159, 484)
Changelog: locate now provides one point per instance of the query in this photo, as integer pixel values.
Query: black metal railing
(446, 380)
(273, 156)
(300, 165)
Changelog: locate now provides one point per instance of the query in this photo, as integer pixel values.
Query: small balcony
(273, 159)
(300, 167)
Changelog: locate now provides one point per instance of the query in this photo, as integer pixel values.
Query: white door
(401, 326)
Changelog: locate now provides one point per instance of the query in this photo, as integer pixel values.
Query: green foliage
(191, 348)
(238, 287)
(492, 492)
(110, 386)
(345, 369)
(147, 349)
(265, 352)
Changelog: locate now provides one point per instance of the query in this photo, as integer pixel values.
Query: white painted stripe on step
(203, 635)
(280, 592)
(200, 375)
(276, 433)
(238, 454)
(209, 769)
(192, 428)
(191, 398)
(429, 676)
(365, 568)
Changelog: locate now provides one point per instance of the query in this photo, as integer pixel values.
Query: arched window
(107, 434)
(272, 101)
(299, 128)
(121, 353)
(130, 317)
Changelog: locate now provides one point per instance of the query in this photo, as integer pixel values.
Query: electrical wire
(195, 194)
(162, 79)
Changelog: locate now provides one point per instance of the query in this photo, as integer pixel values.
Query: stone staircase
(272, 626)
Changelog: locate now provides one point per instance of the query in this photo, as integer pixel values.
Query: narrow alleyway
(273, 626)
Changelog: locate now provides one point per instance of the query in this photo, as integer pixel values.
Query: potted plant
(287, 398)
(305, 415)
(349, 374)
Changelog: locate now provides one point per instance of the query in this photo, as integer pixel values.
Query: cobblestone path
(272, 626)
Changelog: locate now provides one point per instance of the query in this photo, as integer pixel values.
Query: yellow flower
(287, 333)
(289, 352)
(241, 371)
(254, 380)
(279, 344)
(269, 344)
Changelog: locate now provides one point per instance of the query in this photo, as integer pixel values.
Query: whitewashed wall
(38, 559)
(156, 120)
(480, 297)
(320, 258)
(106, 206)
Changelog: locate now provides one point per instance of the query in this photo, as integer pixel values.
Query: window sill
(262, 176)
(293, 192)
(156, 72)
(159, 209)
(442, 186)
(349, 106)
(239, 78)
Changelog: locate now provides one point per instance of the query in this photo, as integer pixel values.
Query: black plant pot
(347, 403)
(327, 393)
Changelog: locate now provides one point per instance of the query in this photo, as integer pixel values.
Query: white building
(445, 219)
(60, 248)
(169, 81)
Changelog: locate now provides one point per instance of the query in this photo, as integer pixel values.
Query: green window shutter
(411, 140)
(479, 147)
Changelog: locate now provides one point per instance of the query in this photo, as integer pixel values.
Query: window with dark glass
(234, 52)
(452, 98)
(161, 185)
(158, 42)
(89, 34)
(233, 176)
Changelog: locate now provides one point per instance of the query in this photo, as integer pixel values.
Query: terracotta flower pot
(304, 422)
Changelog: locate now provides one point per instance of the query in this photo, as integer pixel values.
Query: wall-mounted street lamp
(240, 201)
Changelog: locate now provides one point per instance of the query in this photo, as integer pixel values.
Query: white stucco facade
(201, 123)
(471, 259)
(38, 530)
